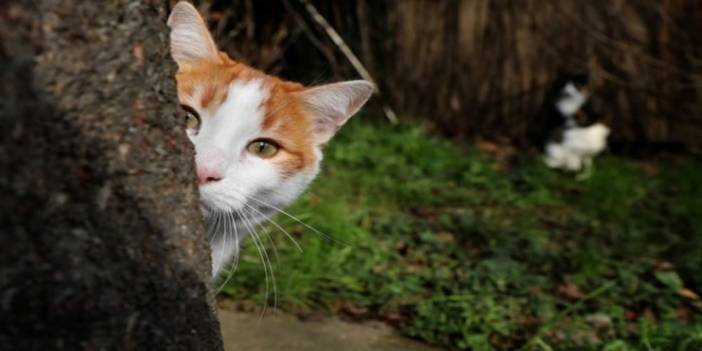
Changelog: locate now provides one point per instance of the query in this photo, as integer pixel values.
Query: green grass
(456, 249)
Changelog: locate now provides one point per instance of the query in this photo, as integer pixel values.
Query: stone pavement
(275, 331)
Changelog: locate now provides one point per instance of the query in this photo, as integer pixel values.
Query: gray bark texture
(101, 243)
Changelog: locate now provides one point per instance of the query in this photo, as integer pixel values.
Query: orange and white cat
(257, 138)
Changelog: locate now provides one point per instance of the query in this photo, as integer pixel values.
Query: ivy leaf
(670, 279)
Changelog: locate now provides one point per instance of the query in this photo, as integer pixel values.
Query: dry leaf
(571, 291)
(687, 293)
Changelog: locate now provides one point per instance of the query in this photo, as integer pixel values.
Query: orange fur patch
(286, 120)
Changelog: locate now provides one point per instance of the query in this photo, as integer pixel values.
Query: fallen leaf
(571, 291)
(444, 237)
(687, 293)
(661, 265)
(599, 320)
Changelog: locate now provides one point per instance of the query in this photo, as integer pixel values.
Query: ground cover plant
(475, 252)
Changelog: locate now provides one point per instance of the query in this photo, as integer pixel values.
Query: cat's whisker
(237, 244)
(233, 267)
(317, 231)
(211, 228)
(228, 229)
(266, 233)
(255, 235)
(269, 219)
(246, 221)
(218, 227)
(225, 234)
(264, 260)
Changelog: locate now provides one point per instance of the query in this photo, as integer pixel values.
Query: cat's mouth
(224, 199)
(248, 215)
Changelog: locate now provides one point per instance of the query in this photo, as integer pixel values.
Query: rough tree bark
(101, 243)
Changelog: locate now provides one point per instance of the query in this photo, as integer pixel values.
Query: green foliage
(460, 250)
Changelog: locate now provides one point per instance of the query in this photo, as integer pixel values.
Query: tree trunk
(101, 243)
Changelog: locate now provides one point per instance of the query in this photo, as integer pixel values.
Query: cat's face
(257, 138)
(571, 99)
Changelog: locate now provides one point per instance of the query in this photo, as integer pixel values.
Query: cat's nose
(208, 175)
(210, 164)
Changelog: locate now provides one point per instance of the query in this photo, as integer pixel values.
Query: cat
(577, 147)
(572, 97)
(573, 140)
(565, 102)
(258, 139)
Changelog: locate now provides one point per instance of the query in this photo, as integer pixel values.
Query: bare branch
(348, 53)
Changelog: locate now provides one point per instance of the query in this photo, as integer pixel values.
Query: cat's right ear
(191, 42)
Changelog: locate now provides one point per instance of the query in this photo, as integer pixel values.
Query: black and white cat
(573, 139)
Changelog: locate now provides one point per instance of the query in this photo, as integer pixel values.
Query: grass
(465, 252)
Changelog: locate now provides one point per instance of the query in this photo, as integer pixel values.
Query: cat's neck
(226, 231)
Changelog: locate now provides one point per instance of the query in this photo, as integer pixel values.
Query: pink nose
(211, 163)
(207, 174)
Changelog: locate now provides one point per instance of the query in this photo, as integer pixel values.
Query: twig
(328, 54)
(348, 53)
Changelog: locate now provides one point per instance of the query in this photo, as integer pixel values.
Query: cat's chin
(218, 199)
(246, 215)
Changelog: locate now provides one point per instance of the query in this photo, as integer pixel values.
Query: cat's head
(257, 138)
(572, 93)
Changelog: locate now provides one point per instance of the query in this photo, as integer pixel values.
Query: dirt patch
(276, 331)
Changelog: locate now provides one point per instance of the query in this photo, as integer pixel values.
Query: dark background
(481, 69)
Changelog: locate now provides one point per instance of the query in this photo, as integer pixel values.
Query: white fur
(250, 188)
(571, 101)
(221, 143)
(248, 181)
(579, 146)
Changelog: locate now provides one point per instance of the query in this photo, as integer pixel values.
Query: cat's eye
(263, 148)
(192, 118)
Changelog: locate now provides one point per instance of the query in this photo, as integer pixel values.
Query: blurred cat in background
(258, 139)
(574, 138)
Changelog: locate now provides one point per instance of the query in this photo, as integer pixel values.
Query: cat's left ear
(333, 104)
(191, 41)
